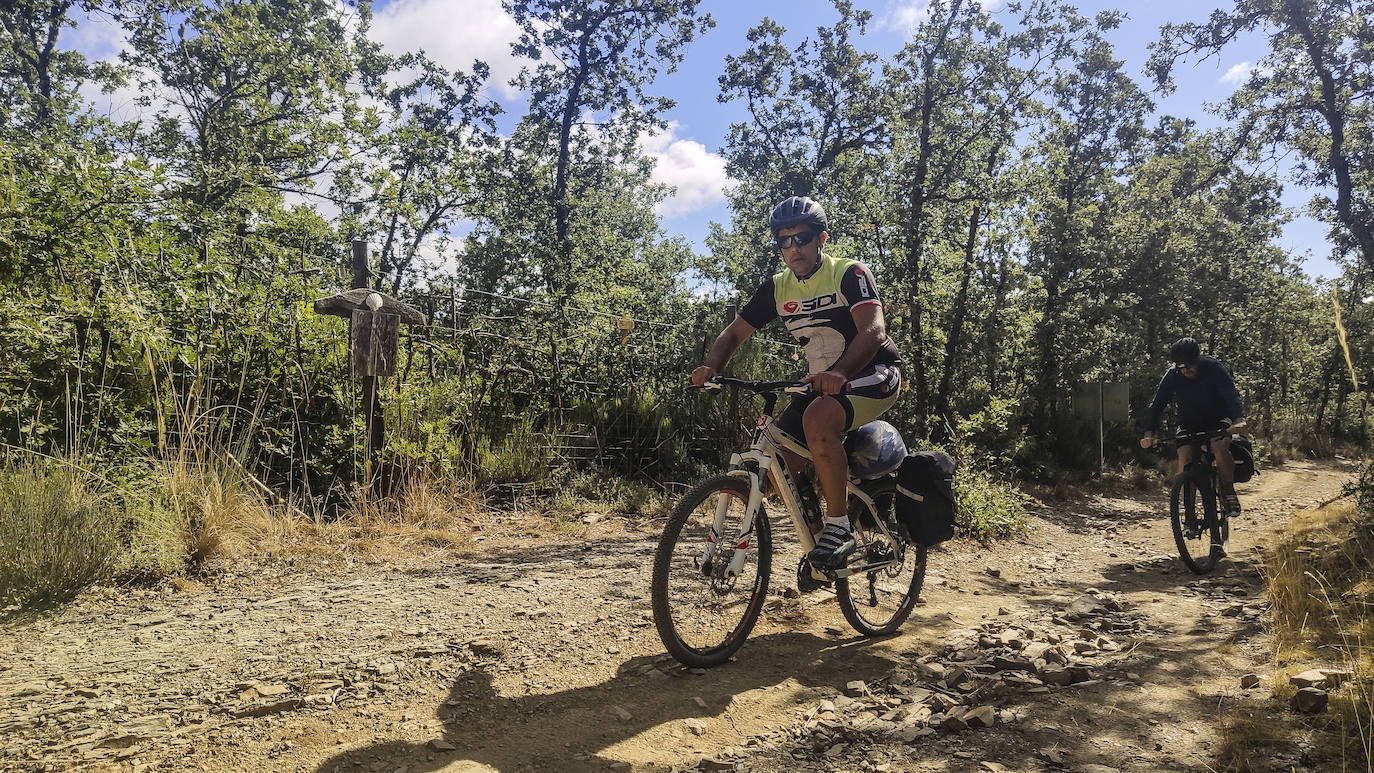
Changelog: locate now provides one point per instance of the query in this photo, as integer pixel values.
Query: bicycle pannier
(925, 501)
(1243, 451)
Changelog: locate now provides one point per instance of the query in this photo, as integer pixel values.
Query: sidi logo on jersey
(864, 290)
(811, 304)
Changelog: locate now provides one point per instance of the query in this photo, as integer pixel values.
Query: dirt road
(1086, 647)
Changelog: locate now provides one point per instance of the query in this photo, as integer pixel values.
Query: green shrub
(154, 543)
(57, 534)
(989, 508)
(519, 457)
(606, 492)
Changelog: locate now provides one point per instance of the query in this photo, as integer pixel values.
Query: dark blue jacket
(1202, 402)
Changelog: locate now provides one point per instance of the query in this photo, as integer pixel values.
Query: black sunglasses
(801, 240)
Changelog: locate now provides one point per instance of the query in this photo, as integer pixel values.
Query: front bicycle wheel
(708, 589)
(1197, 527)
(876, 602)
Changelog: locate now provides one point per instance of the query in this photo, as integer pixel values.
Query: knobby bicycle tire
(703, 618)
(876, 603)
(1201, 553)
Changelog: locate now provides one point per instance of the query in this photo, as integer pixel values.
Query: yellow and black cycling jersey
(817, 309)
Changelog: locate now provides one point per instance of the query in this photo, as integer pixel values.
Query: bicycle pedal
(807, 581)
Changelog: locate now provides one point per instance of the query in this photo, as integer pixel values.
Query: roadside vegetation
(1321, 587)
(170, 400)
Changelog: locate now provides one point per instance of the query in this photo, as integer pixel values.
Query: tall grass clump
(200, 502)
(1321, 583)
(990, 508)
(990, 505)
(57, 533)
(197, 512)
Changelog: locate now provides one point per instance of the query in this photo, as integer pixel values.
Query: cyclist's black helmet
(797, 210)
(1185, 351)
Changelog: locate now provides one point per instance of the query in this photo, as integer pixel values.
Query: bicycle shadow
(569, 730)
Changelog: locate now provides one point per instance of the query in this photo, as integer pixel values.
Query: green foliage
(990, 507)
(57, 533)
(602, 492)
(520, 456)
(1030, 223)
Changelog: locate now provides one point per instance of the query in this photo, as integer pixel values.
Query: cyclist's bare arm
(730, 339)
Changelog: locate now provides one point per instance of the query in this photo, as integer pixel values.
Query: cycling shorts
(864, 398)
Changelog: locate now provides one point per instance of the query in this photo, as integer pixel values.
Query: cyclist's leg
(789, 423)
(1226, 475)
(1226, 464)
(1187, 453)
(824, 423)
(868, 394)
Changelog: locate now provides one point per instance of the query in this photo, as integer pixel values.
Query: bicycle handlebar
(760, 387)
(1205, 435)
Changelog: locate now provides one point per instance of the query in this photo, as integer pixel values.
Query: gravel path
(1086, 644)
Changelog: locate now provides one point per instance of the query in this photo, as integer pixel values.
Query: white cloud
(904, 15)
(907, 15)
(1237, 74)
(101, 39)
(453, 34)
(97, 36)
(697, 174)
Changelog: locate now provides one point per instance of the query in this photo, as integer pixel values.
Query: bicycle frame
(1203, 469)
(764, 459)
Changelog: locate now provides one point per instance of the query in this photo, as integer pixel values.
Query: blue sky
(455, 32)
(699, 118)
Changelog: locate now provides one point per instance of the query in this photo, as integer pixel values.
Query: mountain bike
(712, 566)
(1201, 529)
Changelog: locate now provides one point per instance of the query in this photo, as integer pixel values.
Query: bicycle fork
(710, 566)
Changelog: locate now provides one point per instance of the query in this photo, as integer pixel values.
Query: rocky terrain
(1085, 647)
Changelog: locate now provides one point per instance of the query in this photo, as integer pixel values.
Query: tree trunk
(960, 311)
(1330, 110)
(916, 221)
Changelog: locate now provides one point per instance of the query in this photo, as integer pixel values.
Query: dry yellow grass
(1320, 580)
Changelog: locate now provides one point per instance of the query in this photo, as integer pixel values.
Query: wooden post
(453, 314)
(372, 404)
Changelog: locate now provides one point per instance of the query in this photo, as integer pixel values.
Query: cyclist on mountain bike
(1207, 402)
(832, 308)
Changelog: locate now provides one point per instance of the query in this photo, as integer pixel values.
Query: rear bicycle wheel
(878, 601)
(704, 613)
(1196, 525)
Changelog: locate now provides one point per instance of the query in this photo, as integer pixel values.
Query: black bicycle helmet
(797, 210)
(1185, 351)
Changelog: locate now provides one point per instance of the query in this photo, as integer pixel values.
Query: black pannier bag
(925, 501)
(1243, 451)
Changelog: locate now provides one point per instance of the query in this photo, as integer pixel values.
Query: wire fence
(177, 345)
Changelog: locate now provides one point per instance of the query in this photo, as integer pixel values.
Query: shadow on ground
(567, 730)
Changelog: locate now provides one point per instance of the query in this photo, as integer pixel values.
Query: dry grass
(1321, 584)
(421, 516)
(1126, 479)
(1246, 732)
(56, 532)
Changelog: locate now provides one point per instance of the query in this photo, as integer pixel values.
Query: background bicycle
(1202, 531)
